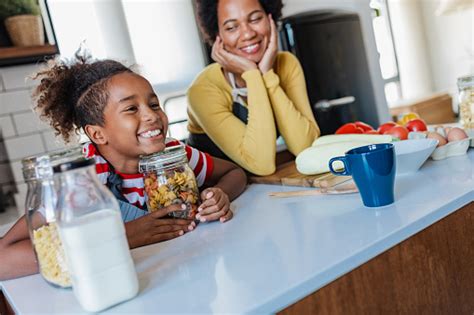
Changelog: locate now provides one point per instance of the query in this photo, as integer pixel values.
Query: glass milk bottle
(40, 215)
(93, 235)
(169, 180)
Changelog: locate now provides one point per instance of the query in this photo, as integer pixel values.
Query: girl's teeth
(151, 133)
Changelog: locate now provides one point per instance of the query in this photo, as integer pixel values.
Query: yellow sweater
(279, 96)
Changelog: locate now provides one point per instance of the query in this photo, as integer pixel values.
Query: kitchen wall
(450, 45)
(362, 8)
(23, 134)
(433, 50)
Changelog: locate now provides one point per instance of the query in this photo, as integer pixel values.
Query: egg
(456, 134)
(434, 135)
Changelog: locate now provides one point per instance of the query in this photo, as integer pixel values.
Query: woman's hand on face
(230, 62)
(152, 228)
(270, 54)
(215, 206)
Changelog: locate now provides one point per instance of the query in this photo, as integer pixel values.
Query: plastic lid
(467, 81)
(41, 165)
(164, 159)
(72, 165)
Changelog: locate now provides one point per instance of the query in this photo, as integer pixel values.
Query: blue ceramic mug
(373, 169)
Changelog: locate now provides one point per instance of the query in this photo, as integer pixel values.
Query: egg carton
(470, 134)
(453, 148)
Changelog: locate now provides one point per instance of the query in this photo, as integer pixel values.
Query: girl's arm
(228, 181)
(288, 95)
(16, 252)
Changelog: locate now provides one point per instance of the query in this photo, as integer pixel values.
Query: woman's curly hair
(206, 14)
(73, 94)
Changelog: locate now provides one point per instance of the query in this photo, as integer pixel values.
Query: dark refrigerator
(330, 48)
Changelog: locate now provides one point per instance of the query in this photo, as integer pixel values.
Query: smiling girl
(121, 115)
(252, 92)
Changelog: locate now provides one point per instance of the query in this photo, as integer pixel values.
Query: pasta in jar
(169, 180)
(50, 254)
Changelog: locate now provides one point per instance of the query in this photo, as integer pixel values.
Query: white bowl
(411, 154)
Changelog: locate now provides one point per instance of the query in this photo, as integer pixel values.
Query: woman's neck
(239, 82)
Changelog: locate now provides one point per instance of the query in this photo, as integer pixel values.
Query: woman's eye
(256, 19)
(155, 106)
(231, 28)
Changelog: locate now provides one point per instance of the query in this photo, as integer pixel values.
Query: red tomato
(349, 128)
(416, 125)
(371, 132)
(385, 127)
(363, 125)
(398, 131)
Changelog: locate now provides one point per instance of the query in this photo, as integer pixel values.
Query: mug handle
(342, 159)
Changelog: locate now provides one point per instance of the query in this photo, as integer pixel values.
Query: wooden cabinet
(432, 272)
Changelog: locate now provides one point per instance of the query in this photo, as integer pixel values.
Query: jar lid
(466, 81)
(164, 159)
(73, 164)
(40, 165)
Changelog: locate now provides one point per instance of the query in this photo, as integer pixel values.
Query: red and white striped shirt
(132, 184)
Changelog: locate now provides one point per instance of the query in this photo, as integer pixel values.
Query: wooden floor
(430, 273)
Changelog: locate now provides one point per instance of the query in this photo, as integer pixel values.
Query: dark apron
(203, 143)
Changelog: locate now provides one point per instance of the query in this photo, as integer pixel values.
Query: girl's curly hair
(206, 14)
(73, 94)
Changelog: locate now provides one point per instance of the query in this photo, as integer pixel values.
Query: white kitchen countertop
(275, 251)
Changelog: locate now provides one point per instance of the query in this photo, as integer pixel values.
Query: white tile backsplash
(52, 142)
(6, 126)
(16, 77)
(16, 101)
(6, 173)
(28, 122)
(21, 147)
(20, 198)
(17, 171)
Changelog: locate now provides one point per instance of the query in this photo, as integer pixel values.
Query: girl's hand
(215, 206)
(151, 228)
(230, 62)
(270, 54)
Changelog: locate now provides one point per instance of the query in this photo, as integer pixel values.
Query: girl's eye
(155, 106)
(131, 108)
(256, 19)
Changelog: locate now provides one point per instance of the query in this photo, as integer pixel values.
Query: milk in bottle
(94, 240)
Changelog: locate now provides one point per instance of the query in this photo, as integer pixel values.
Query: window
(160, 36)
(385, 47)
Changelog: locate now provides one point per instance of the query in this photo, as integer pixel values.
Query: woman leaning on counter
(253, 93)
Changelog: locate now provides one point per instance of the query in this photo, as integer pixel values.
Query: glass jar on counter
(94, 239)
(40, 205)
(169, 180)
(466, 101)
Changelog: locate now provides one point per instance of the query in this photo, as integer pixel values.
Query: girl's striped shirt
(133, 190)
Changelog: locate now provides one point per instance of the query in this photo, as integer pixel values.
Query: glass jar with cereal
(169, 180)
(466, 102)
(40, 206)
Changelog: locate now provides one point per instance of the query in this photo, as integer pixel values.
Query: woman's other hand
(215, 206)
(270, 54)
(230, 62)
(152, 228)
